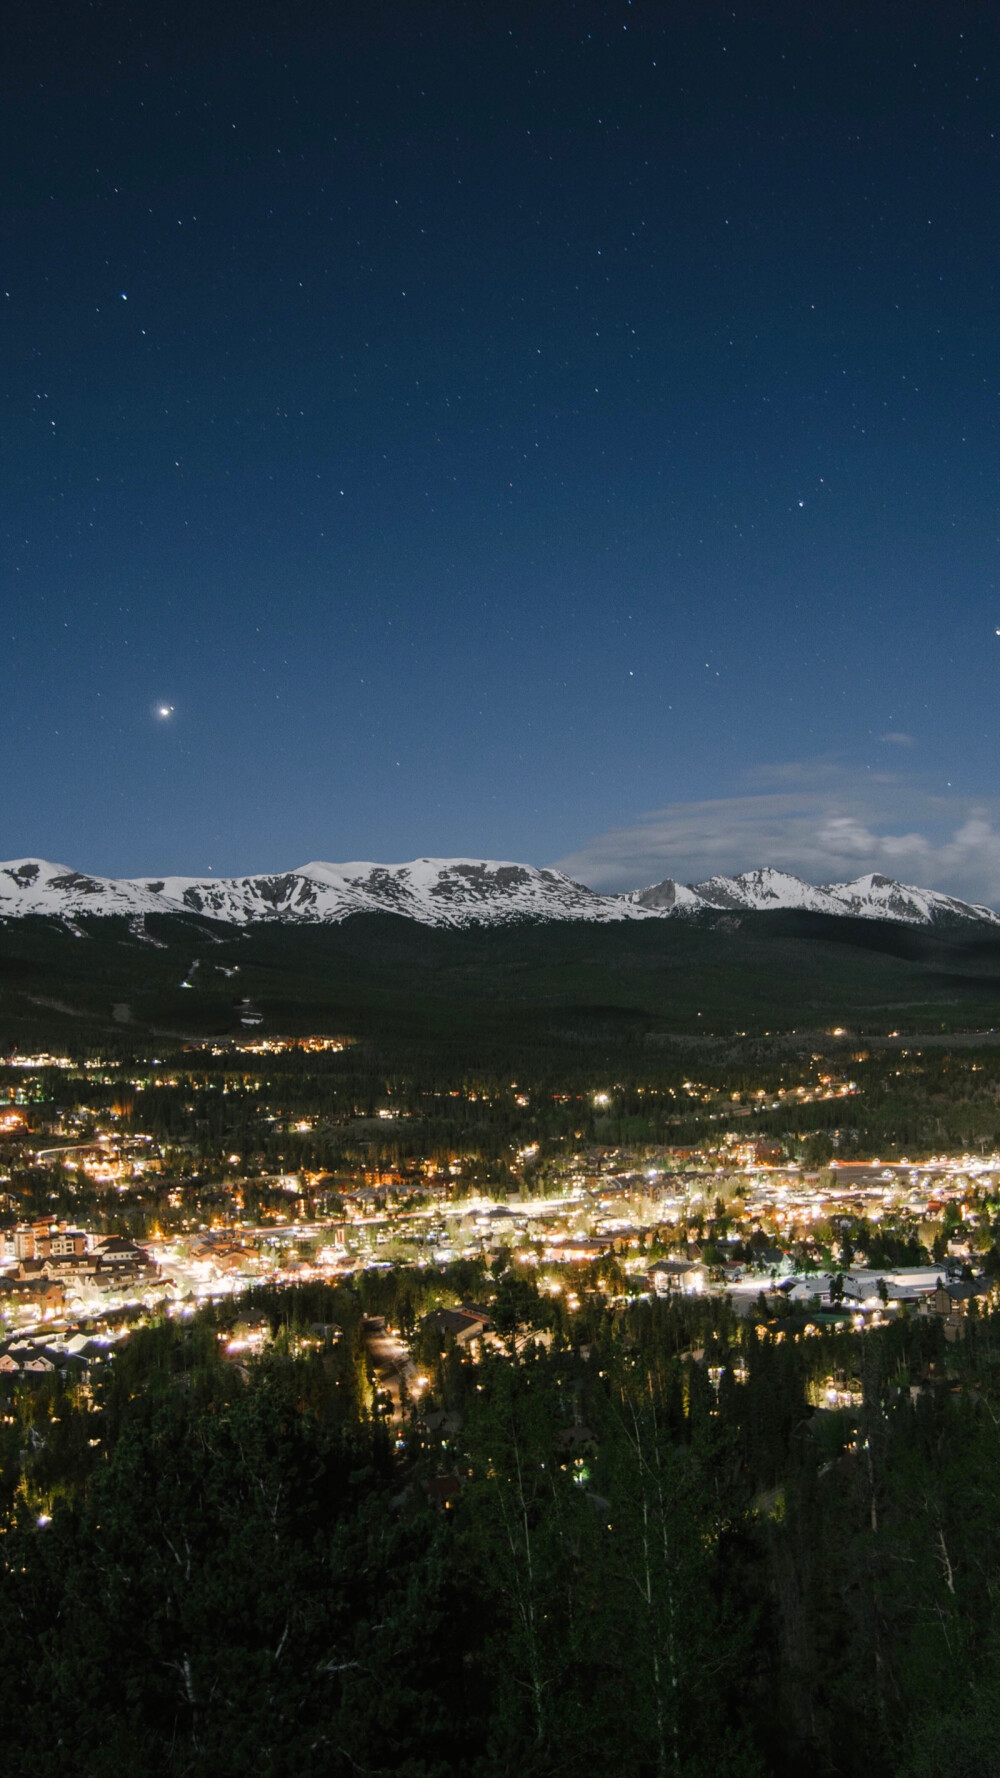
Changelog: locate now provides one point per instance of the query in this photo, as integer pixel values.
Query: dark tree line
(641, 1546)
(204, 1106)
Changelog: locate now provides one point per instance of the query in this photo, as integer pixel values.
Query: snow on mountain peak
(872, 897)
(434, 891)
(456, 892)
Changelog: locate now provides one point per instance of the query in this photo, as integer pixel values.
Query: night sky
(564, 433)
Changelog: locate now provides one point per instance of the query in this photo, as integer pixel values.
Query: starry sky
(556, 432)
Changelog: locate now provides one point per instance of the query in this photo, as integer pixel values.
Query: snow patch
(454, 892)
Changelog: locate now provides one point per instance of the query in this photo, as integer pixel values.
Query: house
(29, 1268)
(44, 1294)
(951, 1303)
(121, 1261)
(669, 1276)
(574, 1248)
(77, 1268)
(468, 1308)
(27, 1358)
(759, 1153)
(117, 1250)
(768, 1259)
(62, 1244)
(236, 1259)
(443, 1490)
(441, 1421)
(252, 1332)
(81, 1346)
(461, 1325)
(224, 1256)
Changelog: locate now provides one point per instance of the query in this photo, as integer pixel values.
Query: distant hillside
(538, 985)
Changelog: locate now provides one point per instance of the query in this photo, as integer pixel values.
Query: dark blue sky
(522, 435)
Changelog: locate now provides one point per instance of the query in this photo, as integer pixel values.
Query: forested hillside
(539, 987)
(649, 1538)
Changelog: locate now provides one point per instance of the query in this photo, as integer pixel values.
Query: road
(391, 1357)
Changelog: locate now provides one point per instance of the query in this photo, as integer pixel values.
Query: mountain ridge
(458, 892)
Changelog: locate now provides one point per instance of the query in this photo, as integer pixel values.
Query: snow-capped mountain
(870, 897)
(456, 892)
(435, 891)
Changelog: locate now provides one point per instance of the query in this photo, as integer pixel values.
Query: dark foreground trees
(649, 1553)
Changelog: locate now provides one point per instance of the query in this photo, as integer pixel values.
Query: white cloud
(825, 823)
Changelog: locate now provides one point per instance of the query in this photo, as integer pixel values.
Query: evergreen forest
(643, 1544)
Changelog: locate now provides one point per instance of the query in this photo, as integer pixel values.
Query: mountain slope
(458, 892)
(607, 985)
(436, 892)
(768, 891)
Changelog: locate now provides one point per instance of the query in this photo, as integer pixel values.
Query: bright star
(164, 711)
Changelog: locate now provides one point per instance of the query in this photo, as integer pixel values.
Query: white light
(164, 711)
